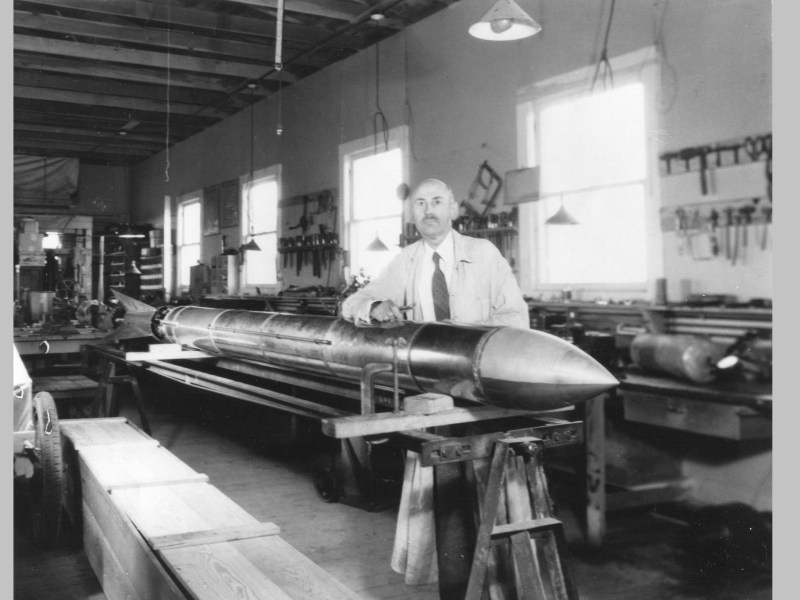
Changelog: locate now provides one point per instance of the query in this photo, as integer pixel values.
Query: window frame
(353, 150)
(184, 201)
(272, 172)
(641, 66)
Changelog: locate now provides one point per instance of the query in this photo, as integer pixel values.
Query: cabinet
(119, 269)
(151, 264)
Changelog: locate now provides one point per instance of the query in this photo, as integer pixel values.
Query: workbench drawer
(697, 416)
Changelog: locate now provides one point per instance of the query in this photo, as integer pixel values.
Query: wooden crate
(155, 528)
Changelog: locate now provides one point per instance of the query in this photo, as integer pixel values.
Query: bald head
(433, 207)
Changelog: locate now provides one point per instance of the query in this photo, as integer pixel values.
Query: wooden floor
(247, 453)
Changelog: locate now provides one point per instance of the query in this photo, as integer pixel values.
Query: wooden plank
(124, 542)
(113, 577)
(213, 536)
(261, 568)
(101, 432)
(363, 425)
(135, 465)
(161, 511)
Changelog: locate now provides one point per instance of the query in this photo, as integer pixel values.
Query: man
(445, 276)
(481, 289)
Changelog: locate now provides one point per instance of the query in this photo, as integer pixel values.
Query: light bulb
(501, 25)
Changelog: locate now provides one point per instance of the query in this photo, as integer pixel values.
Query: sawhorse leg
(106, 403)
(595, 436)
(545, 530)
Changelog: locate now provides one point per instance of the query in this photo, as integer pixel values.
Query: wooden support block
(426, 404)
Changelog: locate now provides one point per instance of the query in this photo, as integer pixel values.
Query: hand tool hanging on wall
(746, 213)
(767, 210)
(728, 225)
(757, 146)
(737, 221)
(714, 219)
(699, 152)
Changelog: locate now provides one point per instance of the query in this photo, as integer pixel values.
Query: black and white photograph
(394, 299)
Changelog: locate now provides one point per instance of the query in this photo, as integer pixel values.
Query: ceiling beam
(30, 146)
(84, 133)
(22, 92)
(108, 87)
(142, 58)
(176, 18)
(331, 9)
(263, 54)
(84, 68)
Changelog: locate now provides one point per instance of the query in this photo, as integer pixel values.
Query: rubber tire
(47, 485)
(327, 485)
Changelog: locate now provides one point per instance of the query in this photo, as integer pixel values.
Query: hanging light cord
(604, 62)
(252, 151)
(169, 47)
(379, 119)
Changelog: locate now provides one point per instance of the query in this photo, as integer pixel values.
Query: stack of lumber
(153, 528)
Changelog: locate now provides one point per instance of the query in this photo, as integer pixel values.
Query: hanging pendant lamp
(505, 21)
(561, 217)
(377, 245)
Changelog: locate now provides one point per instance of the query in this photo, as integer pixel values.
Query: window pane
(190, 223)
(363, 233)
(264, 205)
(190, 256)
(594, 140)
(610, 220)
(375, 181)
(259, 267)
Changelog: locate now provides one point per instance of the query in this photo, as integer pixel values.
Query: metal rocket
(502, 366)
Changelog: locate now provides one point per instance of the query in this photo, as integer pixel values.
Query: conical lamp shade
(505, 21)
(251, 245)
(377, 245)
(561, 217)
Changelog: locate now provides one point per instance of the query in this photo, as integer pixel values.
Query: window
(371, 176)
(594, 159)
(189, 224)
(260, 223)
(51, 240)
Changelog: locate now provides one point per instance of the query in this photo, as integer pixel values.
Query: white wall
(458, 93)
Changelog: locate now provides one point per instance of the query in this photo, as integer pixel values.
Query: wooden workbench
(736, 411)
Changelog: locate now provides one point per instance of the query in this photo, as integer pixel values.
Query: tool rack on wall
(717, 199)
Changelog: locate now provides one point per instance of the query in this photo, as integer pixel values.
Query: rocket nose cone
(533, 370)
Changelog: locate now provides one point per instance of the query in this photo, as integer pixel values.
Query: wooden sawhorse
(516, 517)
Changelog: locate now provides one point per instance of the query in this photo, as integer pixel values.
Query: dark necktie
(441, 299)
